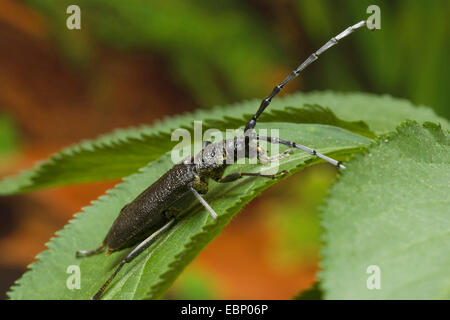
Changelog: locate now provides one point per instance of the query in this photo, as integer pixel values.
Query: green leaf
(391, 208)
(314, 293)
(125, 151)
(152, 273)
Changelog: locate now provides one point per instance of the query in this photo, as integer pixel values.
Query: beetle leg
(133, 254)
(87, 253)
(204, 203)
(263, 158)
(229, 178)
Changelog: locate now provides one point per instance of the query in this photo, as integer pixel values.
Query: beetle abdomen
(152, 209)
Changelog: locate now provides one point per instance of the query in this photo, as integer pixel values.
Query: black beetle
(173, 195)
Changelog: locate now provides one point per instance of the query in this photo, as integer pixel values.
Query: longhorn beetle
(170, 198)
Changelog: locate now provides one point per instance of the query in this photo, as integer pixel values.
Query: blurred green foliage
(406, 58)
(213, 49)
(193, 284)
(223, 51)
(8, 139)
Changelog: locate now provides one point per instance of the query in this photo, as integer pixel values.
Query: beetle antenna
(265, 102)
